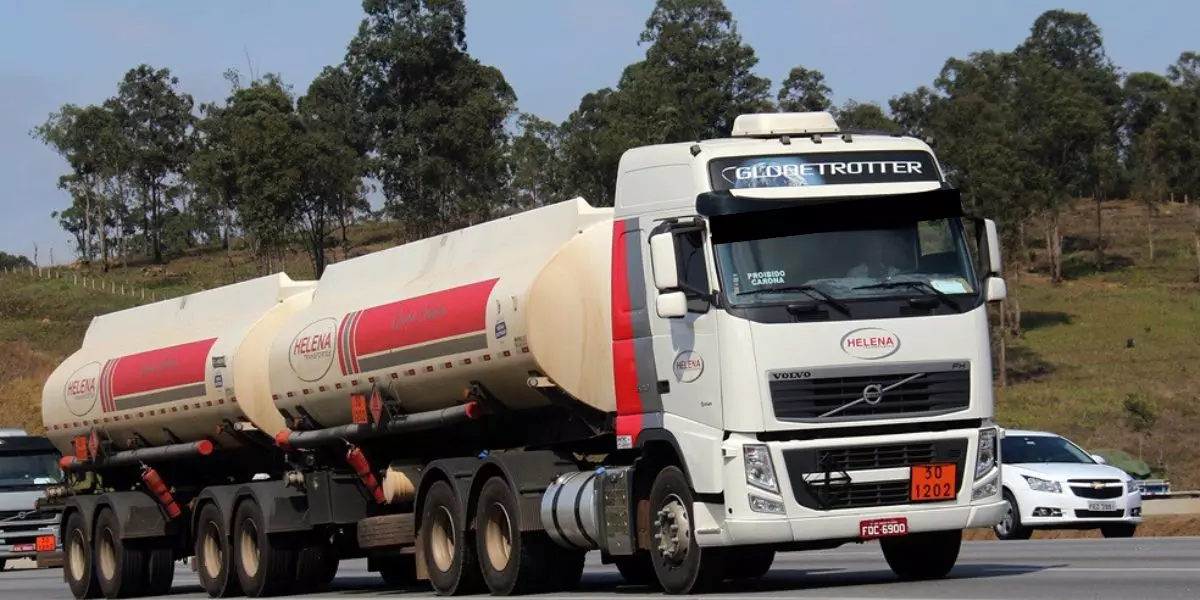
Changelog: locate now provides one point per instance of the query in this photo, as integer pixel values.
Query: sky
(551, 51)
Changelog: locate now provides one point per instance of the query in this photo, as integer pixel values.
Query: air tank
(489, 303)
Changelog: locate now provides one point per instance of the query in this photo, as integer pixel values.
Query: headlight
(1042, 485)
(1131, 486)
(760, 471)
(985, 458)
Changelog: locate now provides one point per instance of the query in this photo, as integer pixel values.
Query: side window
(693, 269)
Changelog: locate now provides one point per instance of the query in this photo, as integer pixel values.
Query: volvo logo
(872, 394)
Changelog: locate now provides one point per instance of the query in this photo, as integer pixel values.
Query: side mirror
(993, 247)
(1099, 459)
(996, 289)
(672, 305)
(664, 262)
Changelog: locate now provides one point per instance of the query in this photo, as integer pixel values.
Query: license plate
(933, 483)
(879, 528)
(23, 547)
(1102, 506)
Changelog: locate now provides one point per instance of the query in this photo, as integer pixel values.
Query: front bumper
(1065, 509)
(828, 487)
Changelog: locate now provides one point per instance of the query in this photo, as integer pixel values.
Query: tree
(156, 119)
(537, 164)
(804, 90)
(14, 261)
(864, 116)
(436, 114)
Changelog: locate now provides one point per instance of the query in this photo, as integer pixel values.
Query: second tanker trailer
(775, 341)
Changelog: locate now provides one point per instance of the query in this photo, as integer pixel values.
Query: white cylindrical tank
(163, 365)
(488, 303)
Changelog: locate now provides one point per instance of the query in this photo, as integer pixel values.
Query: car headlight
(985, 458)
(1132, 486)
(1042, 485)
(760, 471)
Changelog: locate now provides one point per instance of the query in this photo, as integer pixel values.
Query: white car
(1052, 483)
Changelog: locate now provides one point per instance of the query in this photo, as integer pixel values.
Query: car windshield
(1017, 449)
(29, 469)
(887, 260)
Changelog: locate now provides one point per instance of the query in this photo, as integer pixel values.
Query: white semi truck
(776, 341)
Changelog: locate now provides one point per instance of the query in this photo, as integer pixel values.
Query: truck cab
(28, 466)
(809, 328)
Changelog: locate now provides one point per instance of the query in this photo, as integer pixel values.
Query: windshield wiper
(812, 290)
(922, 285)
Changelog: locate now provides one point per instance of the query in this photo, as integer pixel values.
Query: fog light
(765, 505)
(985, 490)
(1136, 512)
(1043, 511)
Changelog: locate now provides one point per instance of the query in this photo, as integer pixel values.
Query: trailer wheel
(214, 556)
(78, 562)
(317, 563)
(918, 556)
(121, 565)
(514, 562)
(449, 554)
(265, 563)
(160, 567)
(681, 565)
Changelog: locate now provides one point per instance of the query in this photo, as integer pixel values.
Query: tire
(316, 563)
(121, 565)
(512, 562)
(636, 568)
(750, 562)
(1010, 527)
(265, 564)
(922, 556)
(78, 564)
(399, 571)
(700, 569)
(1118, 530)
(567, 569)
(214, 555)
(453, 566)
(161, 569)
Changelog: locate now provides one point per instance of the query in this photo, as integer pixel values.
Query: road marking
(1036, 569)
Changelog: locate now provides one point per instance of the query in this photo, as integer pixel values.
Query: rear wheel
(399, 571)
(514, 562)
(121, 565)
(317, 562)
(919, 556)
(78, 560)
(265, 564)
(681, 565)
(214, 556)
(453, 566)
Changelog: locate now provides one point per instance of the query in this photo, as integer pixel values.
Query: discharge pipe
(421, 421)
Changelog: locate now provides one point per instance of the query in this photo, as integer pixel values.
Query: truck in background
(776, 341)
(28, 466)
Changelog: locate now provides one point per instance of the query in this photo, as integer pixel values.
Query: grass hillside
(1127, 334)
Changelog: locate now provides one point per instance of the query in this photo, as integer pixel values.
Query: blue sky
(551, 51)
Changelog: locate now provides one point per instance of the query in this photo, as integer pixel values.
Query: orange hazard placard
(932, 483)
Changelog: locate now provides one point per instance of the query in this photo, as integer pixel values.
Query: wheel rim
(441, 539)
(674, 532)
(214, 559)
(249, 544)
(77, 556)
(498, 536)
(108, 555)
(1006, 524)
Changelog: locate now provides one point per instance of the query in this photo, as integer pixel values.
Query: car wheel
(1118, 530)
(1010, 527)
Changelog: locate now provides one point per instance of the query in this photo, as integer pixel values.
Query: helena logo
(870, 343)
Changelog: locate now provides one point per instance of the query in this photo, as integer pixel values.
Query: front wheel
(750, 563)
(1010, 527)
(1118, 530)
(681, 565)
(920, 556)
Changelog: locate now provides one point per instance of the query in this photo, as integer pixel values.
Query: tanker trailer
(688, 382)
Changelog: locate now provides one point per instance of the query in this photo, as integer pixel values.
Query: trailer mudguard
(140, 515)
(527, 473)
(84, 505)
(284, 508)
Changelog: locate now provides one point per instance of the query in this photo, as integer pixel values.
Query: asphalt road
(1139, 568)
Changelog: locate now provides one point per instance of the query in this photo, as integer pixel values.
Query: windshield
(29, 469)
(1041, 449)
(850, 263)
